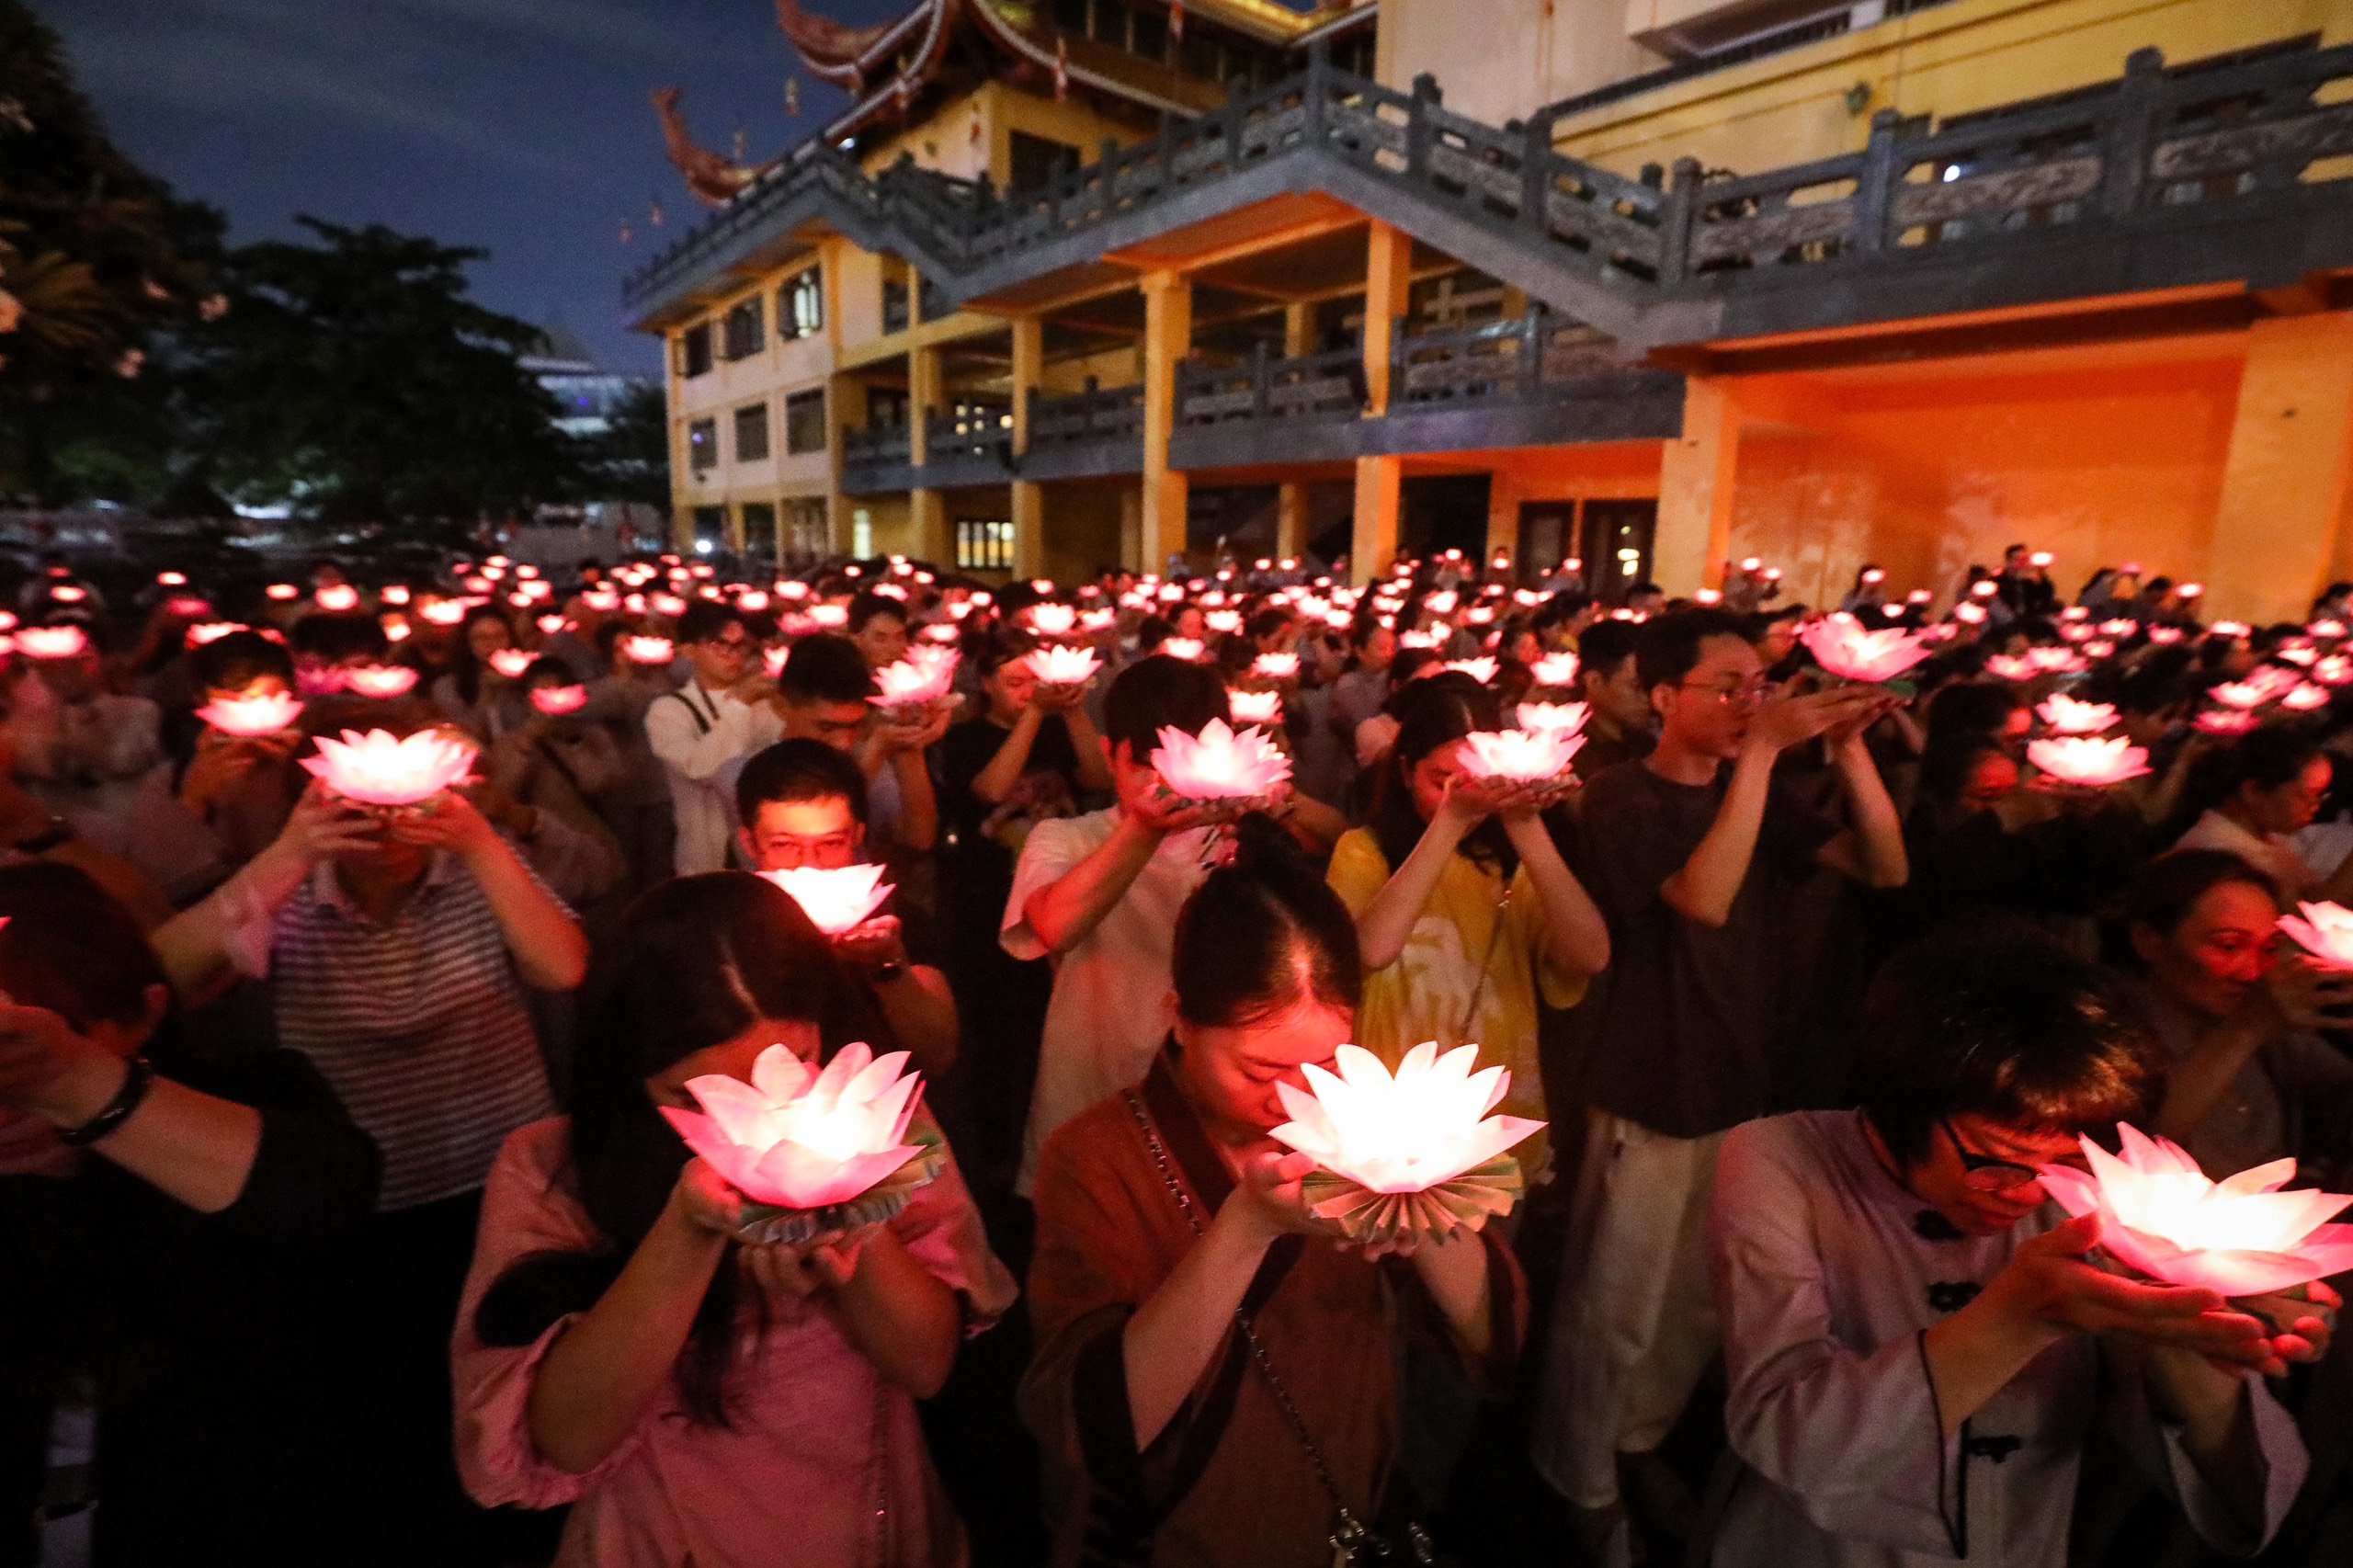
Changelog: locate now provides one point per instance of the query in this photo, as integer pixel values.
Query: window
(804, 421)
(751, 432)
(759, 529)
(801, 305)
(807, 535)
(885, 407)
(895, 316)
(1038, 160)
(694, 350)
(746, 328)
(710, 529)
(984, 544)
(702, 445)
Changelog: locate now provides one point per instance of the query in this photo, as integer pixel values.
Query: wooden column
(1388, 279)
(1167, 338)
(1290, 498)
(842, 392)
(1028, 497)
(927, 508)
(2280, 522)
(1695, 495)
(1373, 544)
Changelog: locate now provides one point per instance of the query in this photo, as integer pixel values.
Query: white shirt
(2275, 856)
(1112, 1006)
(696, 734)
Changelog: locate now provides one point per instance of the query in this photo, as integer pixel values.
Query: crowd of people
(344, 1218)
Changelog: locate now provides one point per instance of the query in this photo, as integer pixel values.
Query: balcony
(876, 459)
(973, 445)
(1085, 434)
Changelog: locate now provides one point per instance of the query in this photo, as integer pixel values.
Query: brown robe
(1226, 1483)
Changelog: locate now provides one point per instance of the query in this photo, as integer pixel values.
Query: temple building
(1654, 284)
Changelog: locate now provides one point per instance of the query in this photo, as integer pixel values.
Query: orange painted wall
(1610, 471)
(1928, 469)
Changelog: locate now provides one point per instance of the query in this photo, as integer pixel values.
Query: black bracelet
(127, 1099)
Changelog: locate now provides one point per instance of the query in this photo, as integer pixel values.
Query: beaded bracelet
(118, 1111)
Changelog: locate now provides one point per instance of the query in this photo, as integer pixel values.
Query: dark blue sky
(519, 126)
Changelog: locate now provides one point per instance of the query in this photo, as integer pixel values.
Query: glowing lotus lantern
(1557, 670)
(381, 769)
(283, 593)
(2055, 659)
(188, 606)
(837, 900)
(1190, 649)
(648, 651)
(250, 717)
(394, 594)
(510, 663)
(813, 1143)
(1480, 670)
(1256, 706)
(2331, 630)
(2325, 931)
(2067, 716)
(1565, 717)
(2305, 697)
(1431, 638)
(2334, 669)
(773, 661)
(1221, 765)
(1534, 759)
(1063, 666)
(1969, 613)
(2160, 1216)
(1841, 645)
(2087, 762)
(670, 605)
(1275, 666)
(601, 601)
(550, 624)
(1052, 620)
(2240, 694)
(53, 641)
(1410, 1155)
(829, 617)
(206, 631)
(336, 597)
(2224, 721)
(443, 612)
(905, 690)
(558, 702)
(2165, 636)
(380, 681)
(172, 579)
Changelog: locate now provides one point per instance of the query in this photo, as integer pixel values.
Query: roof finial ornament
(714, 180)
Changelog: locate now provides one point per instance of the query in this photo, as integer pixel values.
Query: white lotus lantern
(1064, 665)
(1221, 765)
(380, 769)
(2087, 762)
(249, 718)
(2068, 716)
(837, 899)
(1842, 645)
(380, 681)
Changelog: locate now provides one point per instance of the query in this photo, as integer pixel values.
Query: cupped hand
(49, 1068)
(810, 1269)
(323, 824)
(872, 943)
(2047, 1280)
(1472, 797)
(2302, 1323)
(2308, 995)
(1270, 1198)
(702, 1197)
(448, 820)
(1785, 720)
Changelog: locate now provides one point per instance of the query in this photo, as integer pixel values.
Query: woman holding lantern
(1917, 1348)
(694, 1396)
(1163, 1214)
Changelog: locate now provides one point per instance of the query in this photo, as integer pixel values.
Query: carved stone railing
(1090, 414)
(972, 432)
(1319, 386)
(1519, 357)
(878, 444)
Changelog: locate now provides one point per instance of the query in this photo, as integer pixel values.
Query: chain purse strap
(1351, 1542)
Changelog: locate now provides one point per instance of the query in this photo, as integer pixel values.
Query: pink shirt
(822, 1463)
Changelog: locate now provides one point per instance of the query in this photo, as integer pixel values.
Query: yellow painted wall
(1521, 54)
(1082, 528)
(1789, 108)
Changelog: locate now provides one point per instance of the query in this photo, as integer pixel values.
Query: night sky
(518, 126)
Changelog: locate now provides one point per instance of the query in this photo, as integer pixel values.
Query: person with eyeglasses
(703, 732)
(1696, 856)
(1918, 1347)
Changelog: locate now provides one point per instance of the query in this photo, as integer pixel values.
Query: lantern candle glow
(380, 769)
(249, 718)
(837, 900)
(1220, 764)
(797, 1138)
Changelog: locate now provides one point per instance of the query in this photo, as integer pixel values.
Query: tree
(355, 377)
(630, 461)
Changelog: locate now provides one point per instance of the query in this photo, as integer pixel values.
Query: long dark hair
(697, 960)
(465, 670)
(1262, 934)
(1436, 710)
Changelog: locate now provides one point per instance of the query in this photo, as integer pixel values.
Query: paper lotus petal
(1186, 648)
(510, 661)
(1568, 718)
(2067, 716)
(1275, 666)
(1842, 645)
(800, 1138)
(2306, 698)
(1220, 762)
(1407, 1133)
(2088, 761)
(264, 715)
(53, 641)
(925, 676)
(2011, 666)
(380, 680)
(1256, 706)
(381, 769)
(2224, 722)
(1480, 670)
(1064, 666)
(836, 899)
(1555, 670)
(556, 701)
(648, 650)
(2323, 930)
(1524, 756)
(2161, 1216)
(213, 631)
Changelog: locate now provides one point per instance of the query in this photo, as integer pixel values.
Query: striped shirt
(418, 1024)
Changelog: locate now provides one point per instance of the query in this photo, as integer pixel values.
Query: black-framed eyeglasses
(1983, 1173)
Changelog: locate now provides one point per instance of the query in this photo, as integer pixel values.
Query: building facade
(1656, 284)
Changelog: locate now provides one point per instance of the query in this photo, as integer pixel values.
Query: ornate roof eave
(865, 103)
(1020, 43)
(849, 57)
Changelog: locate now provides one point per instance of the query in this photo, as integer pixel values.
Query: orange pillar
(1388, 283)
(1028, 497)
(1373, 544)
(1695, 489)
(1291, 498)
(2288, 481)
(1167, 338)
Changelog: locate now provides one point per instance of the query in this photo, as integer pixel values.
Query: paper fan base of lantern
(2108, 1262)
(1539, 794)
(1373, 1219)
(768, 1224)
(1220, 812)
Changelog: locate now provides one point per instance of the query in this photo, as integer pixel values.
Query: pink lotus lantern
(1840, 644)
(2160, 1216)
(601, 601)
(1188, 649)
(212, 631)
(837, 900)
(2230, 629)
(2224, 721)
(1893, 612)
(773, 660)
(380, 681)
(394, 594)
(249, 718)
(1561, 718)
(1275, 666)
(2334, 669)
(2087, 762)
(2054, 659)
(905, 690)
(1413, 1156)
(2191, 590)
(558, 702)
(1224, 622)
(2325, 931)
(1481, 670)
(2328, 629)
(2305, 697)
(1969, 613)
(380, 769)
(1530, 758)
(336, 597)
(1063, 666)
(2240, 693)
(797, 1139)
(648, 651)
(829, 617)
(2118, 629)
(171, 579)
(1221, 765)
(188, 606)
(1052, 619)
(550, 624)
(282, 593)
(510, 663)
(2099, 648)
(1256, 706)
(2067, 716)
(2165, 636)
(53, 641)
(442, 612)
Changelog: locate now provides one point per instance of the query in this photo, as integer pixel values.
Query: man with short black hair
(1618, 707)
(1100, 895)
(702, 729)
(823, 692)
